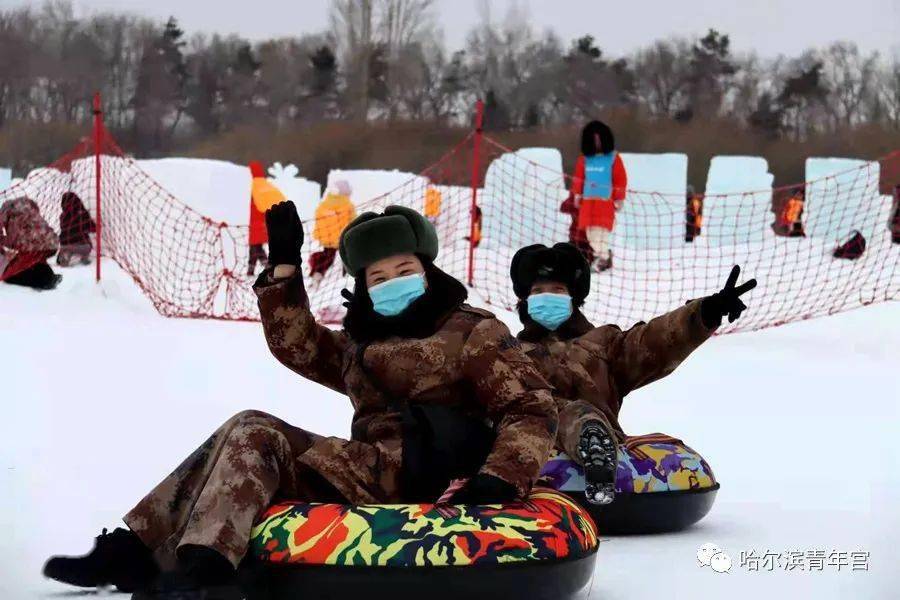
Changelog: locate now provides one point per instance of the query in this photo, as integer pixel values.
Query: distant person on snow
(75, 227)
(26, 243)
(791, 218)
(475, 234)
(263, 196)
(593, 368)
(333, 214)
(442, 392)
(598, 187)
(693, 214)
(433, 200)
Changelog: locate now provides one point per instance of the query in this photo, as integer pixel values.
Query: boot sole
(600, 462)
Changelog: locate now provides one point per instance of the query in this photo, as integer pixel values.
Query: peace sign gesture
(727, 301)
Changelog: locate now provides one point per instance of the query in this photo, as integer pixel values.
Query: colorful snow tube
(544, 547)
(661, 485)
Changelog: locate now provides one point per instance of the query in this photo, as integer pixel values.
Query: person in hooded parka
(599, 187)
(442, 392)
(594, 368)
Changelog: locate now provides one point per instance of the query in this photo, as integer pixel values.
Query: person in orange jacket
(433, 201)
(791, 217)
(693, 214)
(263, 196)
(333, 214)
(598, 188)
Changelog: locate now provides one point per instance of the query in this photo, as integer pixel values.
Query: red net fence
(662, 254)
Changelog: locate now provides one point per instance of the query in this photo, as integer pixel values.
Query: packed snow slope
(102, 397)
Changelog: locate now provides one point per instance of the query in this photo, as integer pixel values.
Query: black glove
(725, 302)
(285, 234)
(485, 489)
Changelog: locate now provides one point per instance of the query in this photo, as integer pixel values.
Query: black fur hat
(563, 262)
(589, 144)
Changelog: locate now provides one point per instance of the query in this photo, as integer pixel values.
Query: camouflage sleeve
(294, 337)
(650, 351)
(517, 398)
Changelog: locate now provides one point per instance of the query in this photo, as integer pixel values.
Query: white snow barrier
(657, 183)
(738, 200)
(842, 195)
(370, 184)
(5, 178)
(522, 194)
(221, 190)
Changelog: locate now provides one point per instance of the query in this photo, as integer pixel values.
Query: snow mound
(220, 189)
(386, 187)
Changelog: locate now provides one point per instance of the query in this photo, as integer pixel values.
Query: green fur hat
(371, 237)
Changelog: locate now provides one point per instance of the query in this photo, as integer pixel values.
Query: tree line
(382, 64)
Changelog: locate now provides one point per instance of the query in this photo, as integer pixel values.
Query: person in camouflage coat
(26, 242)
(594, 368)
(442, 392)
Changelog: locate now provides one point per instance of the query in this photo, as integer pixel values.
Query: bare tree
(353, 28)
(661, 75)
(850, 77)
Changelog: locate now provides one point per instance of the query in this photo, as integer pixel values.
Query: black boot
(119, 558)
(201, 574)
(597, 447)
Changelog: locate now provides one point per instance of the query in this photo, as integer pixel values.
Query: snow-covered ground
(102, 397)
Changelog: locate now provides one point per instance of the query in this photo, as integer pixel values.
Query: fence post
(98, 140)
(476, 171)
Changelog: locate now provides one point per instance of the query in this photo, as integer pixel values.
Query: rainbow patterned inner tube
(662, 484)
(545, 545)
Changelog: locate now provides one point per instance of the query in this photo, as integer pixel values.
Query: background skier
(693, 214)
(598, 187)
(263, 196)
(593, 368)
(333, 214)
(75, 227)
(424, 372)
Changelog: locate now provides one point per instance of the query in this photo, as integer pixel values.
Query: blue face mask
(550, 310)
(393, 296)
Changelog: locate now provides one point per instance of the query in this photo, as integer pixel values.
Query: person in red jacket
(598, 188)
(258, 235)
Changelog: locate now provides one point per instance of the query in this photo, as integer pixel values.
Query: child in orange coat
(598, 187)
(333, 214)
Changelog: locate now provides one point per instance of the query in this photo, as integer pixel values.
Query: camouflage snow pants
(217, 494)
(572, 417)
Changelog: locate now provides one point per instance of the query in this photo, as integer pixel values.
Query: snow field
(104, 397)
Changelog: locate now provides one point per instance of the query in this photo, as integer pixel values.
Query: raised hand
(285, 234)
(726, 301)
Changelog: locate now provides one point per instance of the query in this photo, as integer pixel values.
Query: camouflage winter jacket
(23, 229)
(601, 365)
(471, 362)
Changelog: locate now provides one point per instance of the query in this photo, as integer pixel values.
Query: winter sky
(770, 28)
